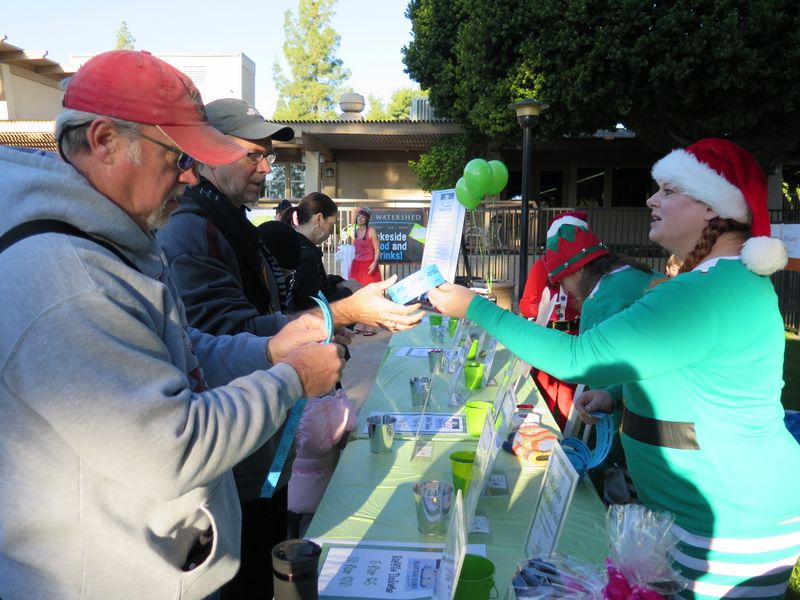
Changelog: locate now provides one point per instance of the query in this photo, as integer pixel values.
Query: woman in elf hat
(588, 281)
(700, 360)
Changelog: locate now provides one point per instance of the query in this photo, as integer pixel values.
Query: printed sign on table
(558, 486)
(432, 423)
(373, 573)
(445, 226)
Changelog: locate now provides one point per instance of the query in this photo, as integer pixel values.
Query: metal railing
(492, 235)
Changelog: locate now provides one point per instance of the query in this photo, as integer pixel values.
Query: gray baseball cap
(236, 117)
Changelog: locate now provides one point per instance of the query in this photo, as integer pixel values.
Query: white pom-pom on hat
(764, 255)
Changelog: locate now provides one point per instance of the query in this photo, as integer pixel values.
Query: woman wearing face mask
(700, 357)
(313, 218)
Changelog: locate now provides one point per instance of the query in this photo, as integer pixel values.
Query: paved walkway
(366, 354)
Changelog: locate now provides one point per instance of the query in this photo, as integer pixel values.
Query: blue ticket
(413, 286)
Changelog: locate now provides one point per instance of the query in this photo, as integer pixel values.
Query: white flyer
(445, 226)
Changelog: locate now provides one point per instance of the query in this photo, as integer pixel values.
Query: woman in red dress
(365, 264)
(364, 267)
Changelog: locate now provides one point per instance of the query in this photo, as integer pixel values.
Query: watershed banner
(401, 232)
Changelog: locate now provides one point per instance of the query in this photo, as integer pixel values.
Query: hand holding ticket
(415, 285)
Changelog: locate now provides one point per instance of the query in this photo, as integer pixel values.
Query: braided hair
(714, 228)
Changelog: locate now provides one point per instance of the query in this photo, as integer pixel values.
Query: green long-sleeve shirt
(705, 348)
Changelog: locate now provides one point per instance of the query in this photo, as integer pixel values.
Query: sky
(372, 34)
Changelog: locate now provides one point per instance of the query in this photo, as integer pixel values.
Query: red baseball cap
(136, 86)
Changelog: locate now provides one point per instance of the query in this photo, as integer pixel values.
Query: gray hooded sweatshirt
(115, 455)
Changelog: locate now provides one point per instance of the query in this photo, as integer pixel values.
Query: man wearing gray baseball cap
(227, 280)
(228, 285)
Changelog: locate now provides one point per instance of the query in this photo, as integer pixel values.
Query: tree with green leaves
(317, 76)
(125, 39)
(440, 167)
(672, 72)
(397, 109)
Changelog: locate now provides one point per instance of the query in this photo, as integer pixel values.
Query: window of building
(589, 186)
(298, 181)
(551, 189)
(278, 185)
(631, 187)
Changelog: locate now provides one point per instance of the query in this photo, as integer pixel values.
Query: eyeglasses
(257, 157)
(184, 163)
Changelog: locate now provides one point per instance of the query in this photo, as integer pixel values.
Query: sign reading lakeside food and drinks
(401, 232)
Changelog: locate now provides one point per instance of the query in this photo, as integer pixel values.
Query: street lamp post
(527, 112)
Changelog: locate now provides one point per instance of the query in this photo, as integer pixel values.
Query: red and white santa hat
(727, 178)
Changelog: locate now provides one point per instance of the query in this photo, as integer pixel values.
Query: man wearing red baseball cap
(119, 425)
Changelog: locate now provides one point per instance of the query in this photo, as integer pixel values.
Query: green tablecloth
(391, 391)
(370, 496)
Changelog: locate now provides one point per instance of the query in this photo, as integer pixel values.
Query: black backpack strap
(29, 228)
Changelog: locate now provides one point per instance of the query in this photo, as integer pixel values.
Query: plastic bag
(639, 566)
(345, 254)
(640, 546)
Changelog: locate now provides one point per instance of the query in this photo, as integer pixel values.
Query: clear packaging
(638, 567)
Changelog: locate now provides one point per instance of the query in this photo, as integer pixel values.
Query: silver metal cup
(420, 387)
(433, 500)
(435, 360)
(381, 433)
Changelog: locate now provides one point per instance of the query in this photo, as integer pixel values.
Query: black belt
(667, 434)
(564, 325)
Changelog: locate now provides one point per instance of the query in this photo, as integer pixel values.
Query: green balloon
(478, 175)
(465, 196)
(499, 177)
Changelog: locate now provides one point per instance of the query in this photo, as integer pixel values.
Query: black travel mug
(294, 569)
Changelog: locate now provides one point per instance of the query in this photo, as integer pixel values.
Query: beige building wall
(376, 175)
(25, 95)
(220, 75)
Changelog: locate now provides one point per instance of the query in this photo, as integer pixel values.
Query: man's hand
(368, 306)
(451, 300)
(319, 367)
(302, 330)
(592, 401)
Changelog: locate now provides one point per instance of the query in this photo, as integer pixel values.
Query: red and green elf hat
(570, 245)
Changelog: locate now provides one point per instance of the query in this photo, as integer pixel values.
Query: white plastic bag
(345, 254)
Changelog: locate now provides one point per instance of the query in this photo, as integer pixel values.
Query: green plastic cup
(434, 320)
(476, 580)
(452, 325)
(473, 375)
(461, 463)
(473, 351)
(476, 412)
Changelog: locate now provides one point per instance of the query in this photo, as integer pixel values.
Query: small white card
(428, 423)
(480, 524)
(413, 352)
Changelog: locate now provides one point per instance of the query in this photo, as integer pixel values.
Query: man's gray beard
(159, 217)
